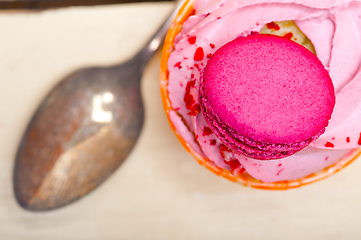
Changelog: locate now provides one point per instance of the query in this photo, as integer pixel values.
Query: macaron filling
(265, 96)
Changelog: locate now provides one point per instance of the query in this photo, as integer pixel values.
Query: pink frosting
(334, 29)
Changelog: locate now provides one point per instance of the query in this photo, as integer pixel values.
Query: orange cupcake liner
(243, 178)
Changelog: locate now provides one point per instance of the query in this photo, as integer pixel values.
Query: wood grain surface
(160, 192)
(46, 4)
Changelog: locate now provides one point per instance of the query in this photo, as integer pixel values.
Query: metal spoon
(82, 131)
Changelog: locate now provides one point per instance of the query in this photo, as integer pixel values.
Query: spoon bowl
(82, 131)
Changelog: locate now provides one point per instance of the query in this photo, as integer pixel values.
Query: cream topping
(334, 29)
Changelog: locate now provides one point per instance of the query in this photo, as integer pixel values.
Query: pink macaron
(265, 96)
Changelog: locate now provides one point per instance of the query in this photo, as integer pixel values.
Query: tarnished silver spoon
(82, 131)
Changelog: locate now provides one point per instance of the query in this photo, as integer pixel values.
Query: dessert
(214, 24)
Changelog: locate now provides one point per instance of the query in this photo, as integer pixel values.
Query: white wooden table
(160, 192)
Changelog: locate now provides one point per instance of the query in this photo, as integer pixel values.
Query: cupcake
(277, 115)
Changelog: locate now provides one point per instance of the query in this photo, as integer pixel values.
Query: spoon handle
(153, 44)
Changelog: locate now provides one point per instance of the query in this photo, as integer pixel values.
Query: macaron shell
(269, 89)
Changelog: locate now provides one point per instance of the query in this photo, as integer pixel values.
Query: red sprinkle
(189, 100)
(218, 18)
(199, 54)
(213, 142)
(209, 55)
(196, 108)
(192, 40)
(330, 145)
(273, 25)
(178, 65)
(348, 139)
(212, 45)
(280, 171)
(197, 66)
(226, 154)
(359, 140)
(288, 35)
(207, 131)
